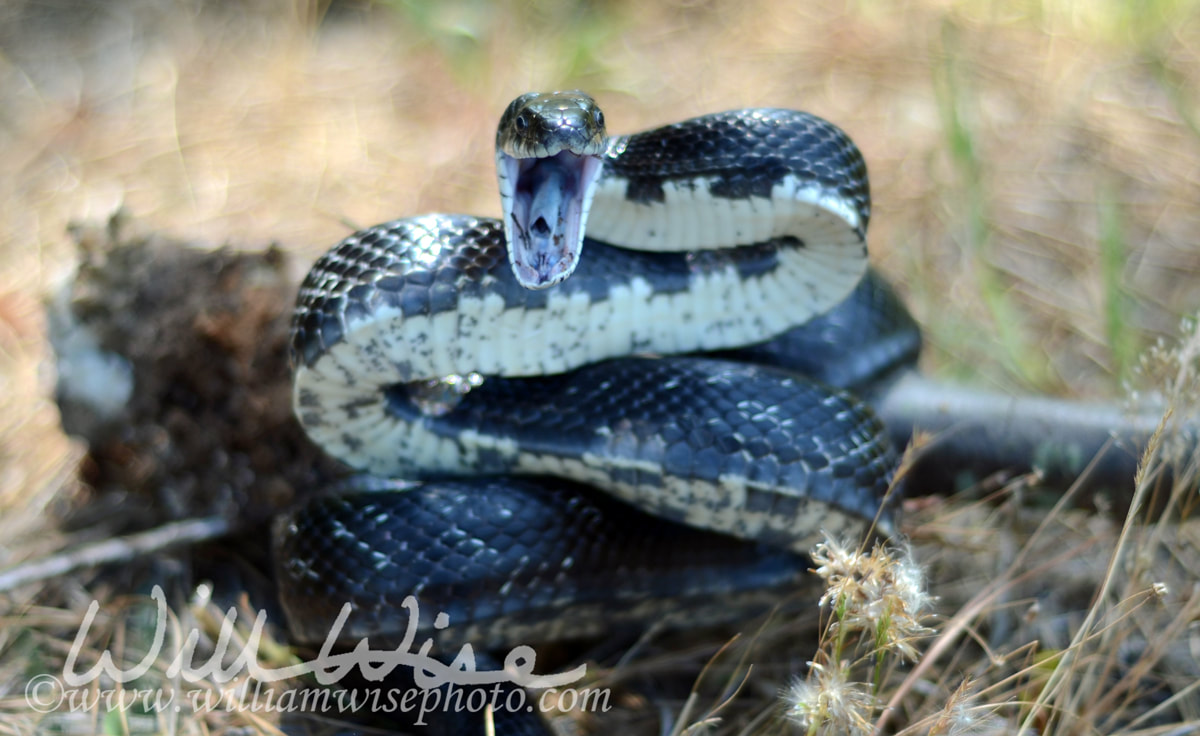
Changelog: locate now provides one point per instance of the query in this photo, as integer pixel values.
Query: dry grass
(1036, 174)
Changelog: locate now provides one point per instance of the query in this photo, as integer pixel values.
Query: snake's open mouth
(546, 203)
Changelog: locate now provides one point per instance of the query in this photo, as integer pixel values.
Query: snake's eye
(522, 123)
(598, 117)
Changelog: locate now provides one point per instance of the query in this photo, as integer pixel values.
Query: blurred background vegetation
(1035, 164)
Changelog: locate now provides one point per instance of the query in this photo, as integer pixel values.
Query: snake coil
(500, 372)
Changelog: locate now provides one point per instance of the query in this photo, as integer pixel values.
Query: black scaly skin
(694, 420)
(432, 538)
(848, 334)
(418, 268)
(858, 346)
(465, 258)
(748, 151)
(501, 557)
(549, 543)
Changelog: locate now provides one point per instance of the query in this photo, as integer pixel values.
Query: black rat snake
(426, 349)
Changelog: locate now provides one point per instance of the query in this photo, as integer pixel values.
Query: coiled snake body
(426, 349)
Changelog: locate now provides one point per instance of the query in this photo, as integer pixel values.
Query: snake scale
(506, 369)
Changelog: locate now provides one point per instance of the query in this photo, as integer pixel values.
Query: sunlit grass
(570, 37)
(1113, 256)
(969, 190)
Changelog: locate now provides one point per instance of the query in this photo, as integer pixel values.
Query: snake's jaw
(545, 202)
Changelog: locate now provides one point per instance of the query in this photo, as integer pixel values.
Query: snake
(548, 445)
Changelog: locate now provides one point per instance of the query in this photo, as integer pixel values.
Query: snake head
(549, 155)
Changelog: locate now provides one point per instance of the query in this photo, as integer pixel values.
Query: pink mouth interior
(545, 224)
